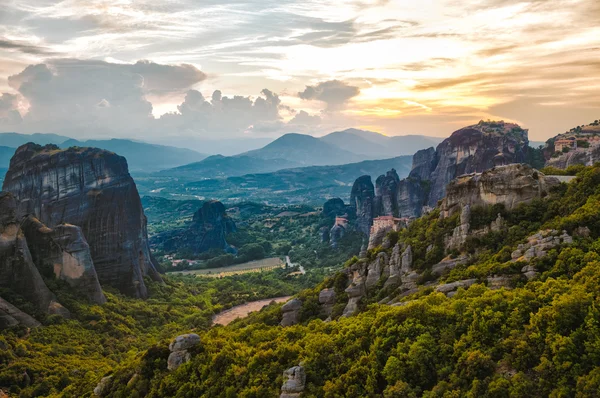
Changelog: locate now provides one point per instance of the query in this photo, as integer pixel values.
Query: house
(570, 143)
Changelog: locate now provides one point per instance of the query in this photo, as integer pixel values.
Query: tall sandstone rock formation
(92, 189)
(17, 270)
(208, 230)
(472, 149)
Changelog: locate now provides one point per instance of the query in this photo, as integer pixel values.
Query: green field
(266, 264)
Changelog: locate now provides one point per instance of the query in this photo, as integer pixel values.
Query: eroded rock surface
(362, 202)
(508, 185)
(208, 230)
(90, 188)
(17, 270)
(295, 383)
(64, 253)
(179, 350)
(291, 312)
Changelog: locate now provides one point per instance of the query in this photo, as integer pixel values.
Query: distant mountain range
(306, 150)
(219, 166)
(140, 155)
(379, 146)
(296, 150)
(313, 184)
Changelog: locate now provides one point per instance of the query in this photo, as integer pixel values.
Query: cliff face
(475, 149)
(362, 202)
(62, 252)
(17, 270)
(208, 230)
(92, 189)
(386, 193)
(508, 185)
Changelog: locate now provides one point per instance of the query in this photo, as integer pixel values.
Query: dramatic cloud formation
(224, 116)
(395, 66)
(334, 93)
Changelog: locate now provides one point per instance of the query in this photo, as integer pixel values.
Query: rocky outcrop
(537, 245)
(17, 269)
(448, 288)
(295, 382)
(179, 350)
(92, 189)
(208, 230)
(327, 301)
(291, 312)
(508, 185)
(102, 388)
(362, 203)
(11, 316)
(386, 194)
(474, 149)
(62, 252)
(336, 233)
(333, 208)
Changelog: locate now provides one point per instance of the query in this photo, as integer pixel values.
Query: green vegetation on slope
(539, 338)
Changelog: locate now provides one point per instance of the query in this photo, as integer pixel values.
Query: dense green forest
(532, 338)
(536, 338)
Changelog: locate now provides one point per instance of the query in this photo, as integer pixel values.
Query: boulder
(295, 382)
(101, 389)
(179, 350)
(327, 300)
(449, 287)
(291, 312)
(178, 358)
(92, 189)
(184, 342)
(407, 260)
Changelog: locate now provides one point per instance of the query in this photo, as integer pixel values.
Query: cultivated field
(266, 264)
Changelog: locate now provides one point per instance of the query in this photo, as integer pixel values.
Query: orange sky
(398, 67)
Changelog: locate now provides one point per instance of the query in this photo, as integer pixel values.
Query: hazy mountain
(375, 145)
(219, 166)
(313, 184)
(15, 140)
(5, 155)
(226, 147)
(142, 156)
(306, 150)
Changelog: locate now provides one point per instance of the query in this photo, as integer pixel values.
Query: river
(242, 310)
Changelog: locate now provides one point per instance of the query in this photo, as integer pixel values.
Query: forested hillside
(530, 337)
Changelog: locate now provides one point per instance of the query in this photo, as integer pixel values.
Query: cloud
(334, 93)
(90, 97)
(303, 118)
(224, 116)
(9, 113)
(23, 47)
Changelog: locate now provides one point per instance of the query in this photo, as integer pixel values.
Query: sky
(171, 69)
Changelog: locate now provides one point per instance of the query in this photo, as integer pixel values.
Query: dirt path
(242, 311)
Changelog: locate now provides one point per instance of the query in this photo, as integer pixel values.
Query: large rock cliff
(208, 230)
(508, 185)
(362, 203)
(17, 270)
(92, 189)
(472, 149)
(62, 252)
(475, 149)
